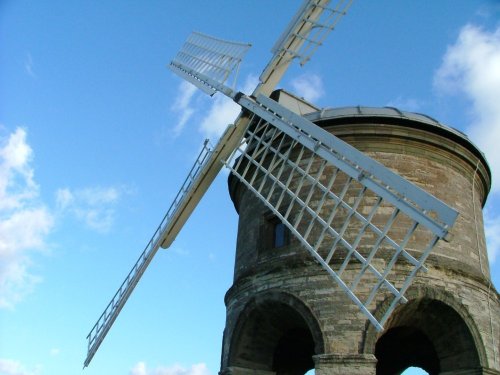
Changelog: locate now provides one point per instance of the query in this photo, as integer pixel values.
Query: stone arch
(432, 331)
(276, 332)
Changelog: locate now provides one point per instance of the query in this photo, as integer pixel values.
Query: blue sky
(96, 137)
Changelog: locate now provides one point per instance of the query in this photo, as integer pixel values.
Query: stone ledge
(341, 364)
(234, 370)
(344, 358)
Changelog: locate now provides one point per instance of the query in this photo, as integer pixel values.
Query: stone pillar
(338, 364)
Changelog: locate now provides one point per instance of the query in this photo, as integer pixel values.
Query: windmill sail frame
(276, 160)
(267, 137)
(215, 58)
(110, 313)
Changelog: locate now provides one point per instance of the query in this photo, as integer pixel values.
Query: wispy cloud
(182, 106)
(492, 231)
(223, 111)
(28, 65)
(12, 367)
(405, 104)
(308, 86)
(179, 250)
(471, 66)
(95, 206)
(489, 9)
(24, 222)
(197, 369)
(16, 174)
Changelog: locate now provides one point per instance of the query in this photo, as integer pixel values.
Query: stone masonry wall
(458, 278)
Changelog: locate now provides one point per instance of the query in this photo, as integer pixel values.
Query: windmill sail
(214, 58)
(203, 56)
(163, 233)
(344, 207)
(305, 33)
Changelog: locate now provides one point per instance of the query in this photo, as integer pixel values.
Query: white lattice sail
(356, 217)
(210, 57)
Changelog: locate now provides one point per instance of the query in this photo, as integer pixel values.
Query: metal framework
(312, 23)
(108, 316)
(344, 207)
(212, 57)
(304, 34)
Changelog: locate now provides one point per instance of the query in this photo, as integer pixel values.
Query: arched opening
(293, 354)
(402, 347)
(428, 334)
(414, 371)
(276, 336)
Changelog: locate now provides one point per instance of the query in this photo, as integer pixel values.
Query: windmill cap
(352, 115)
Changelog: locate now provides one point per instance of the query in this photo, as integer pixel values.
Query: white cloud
(472, 66)
(139, 369)
(405, 104)
(11, 367)
(492, 231)
(24, 222)
(182, 106)
(180, 251)
(16, 175)
(94, 206)
(28, 65)
(197, 369)
(223, 111)
(308, 86)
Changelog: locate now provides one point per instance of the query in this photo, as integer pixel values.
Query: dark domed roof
(382, 112)
(361, 113)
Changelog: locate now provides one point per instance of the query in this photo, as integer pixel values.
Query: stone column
(341, 364)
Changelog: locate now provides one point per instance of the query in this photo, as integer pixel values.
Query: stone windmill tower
(284, 314)
(339, 210)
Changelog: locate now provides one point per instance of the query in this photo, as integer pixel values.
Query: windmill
(268, 146)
